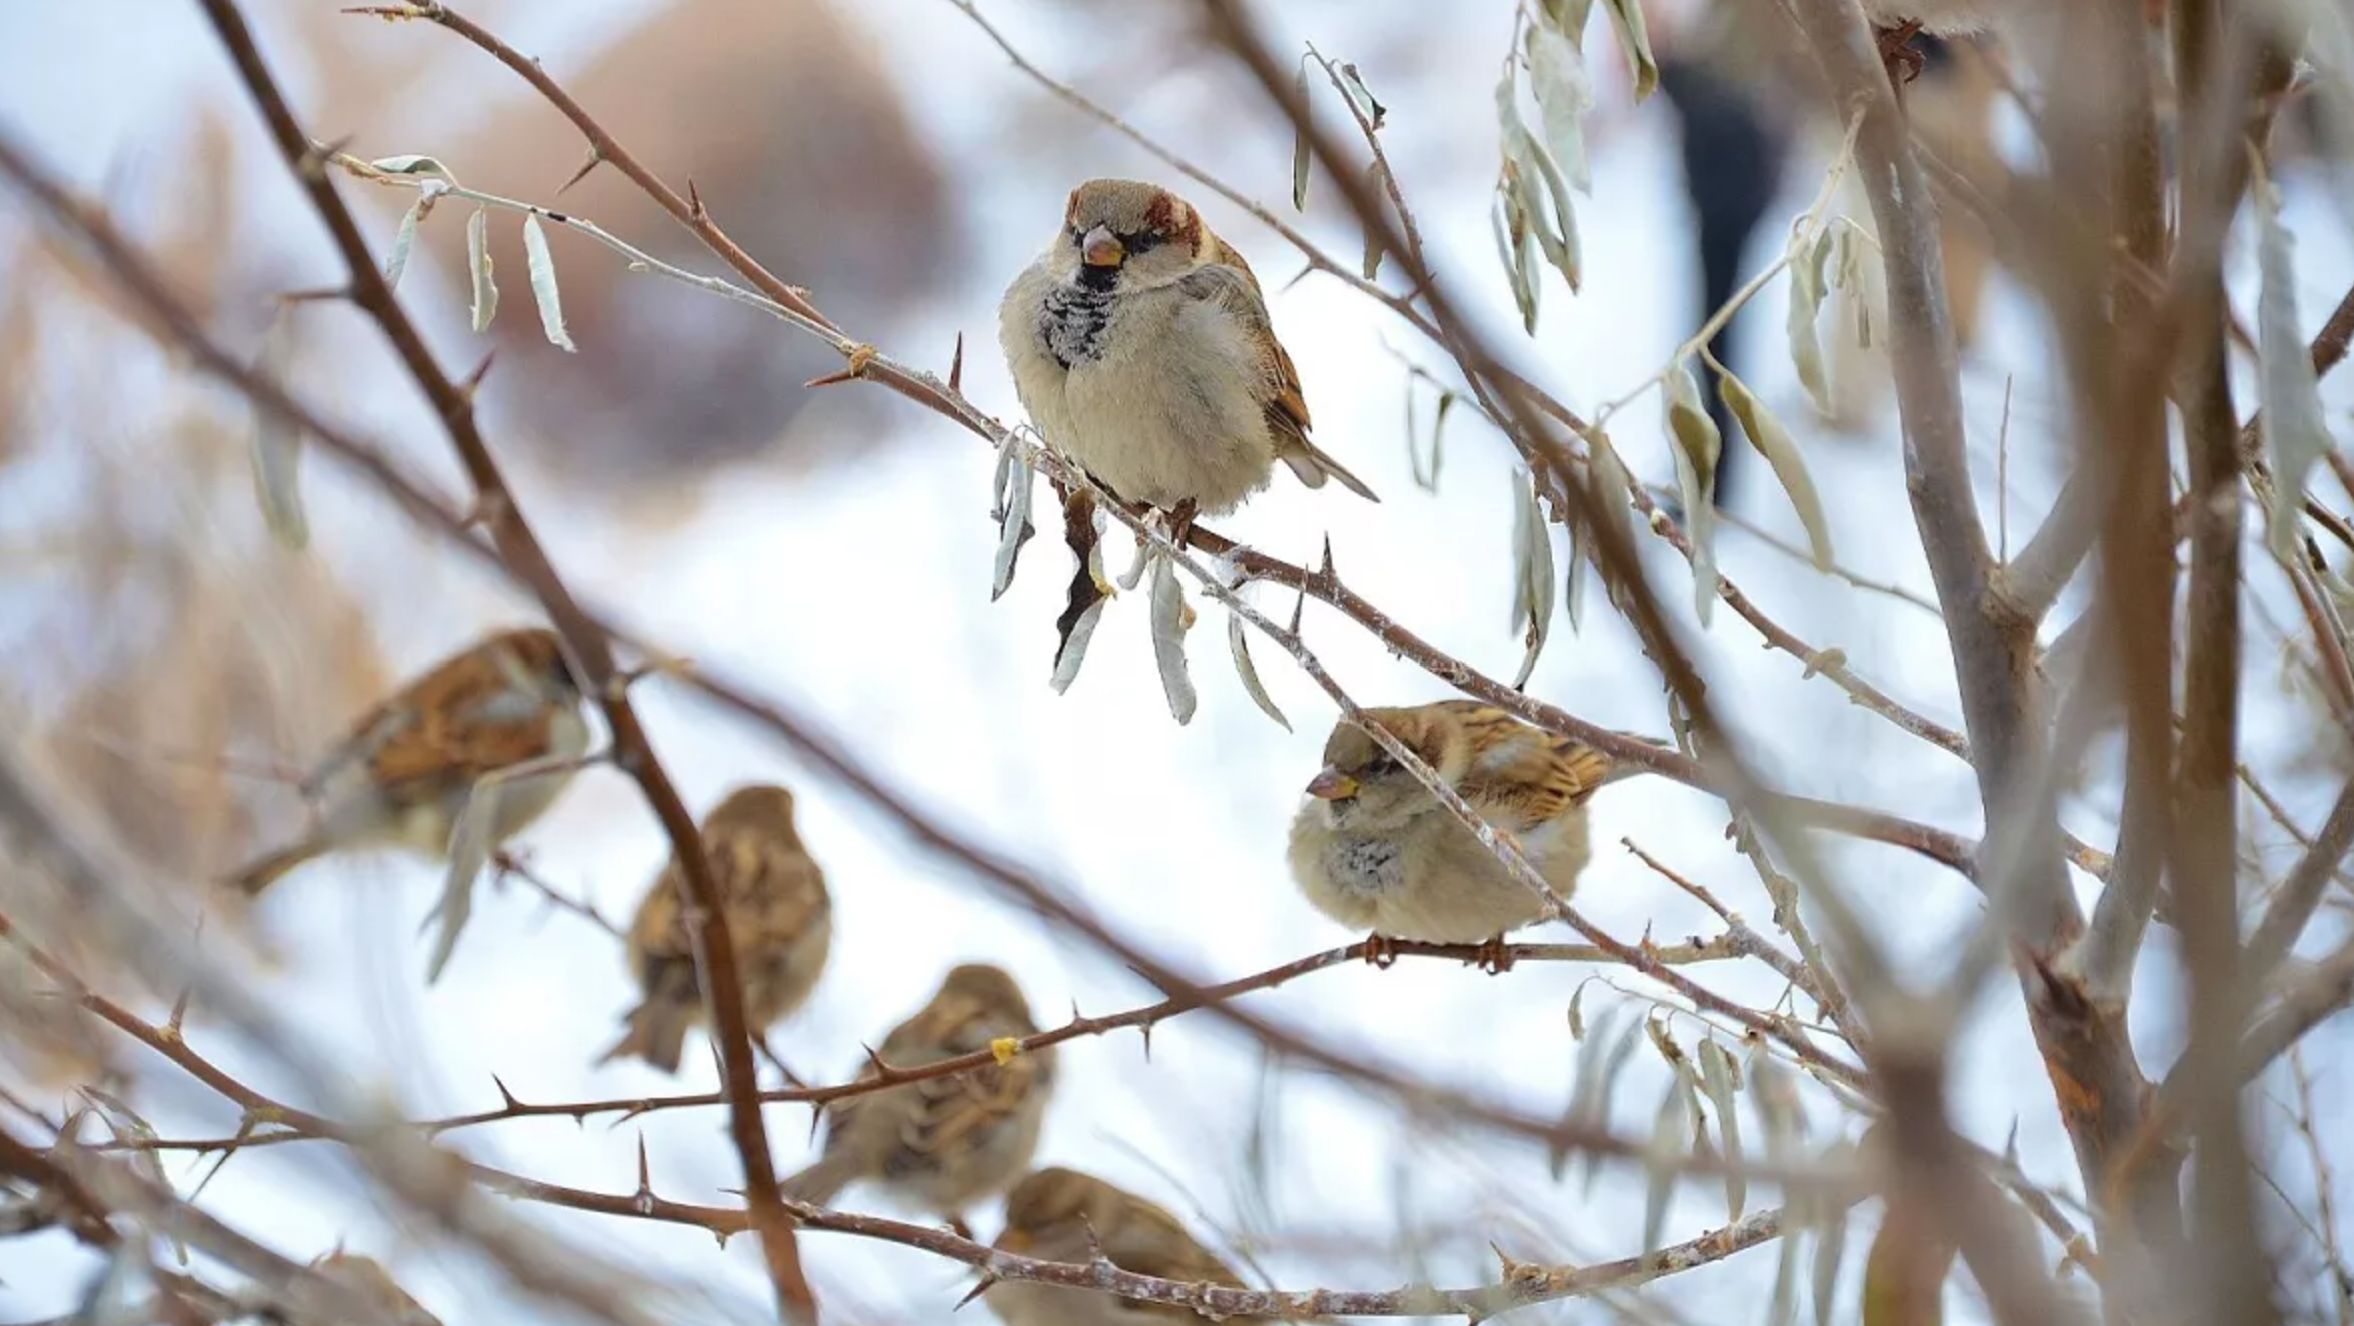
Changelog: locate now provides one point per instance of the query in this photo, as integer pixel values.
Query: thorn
(989, 1279)
(695, 212)
(645, 1192)
(474, 379)
(956, 384)
(1299, 605)
(316, 295)
(1303, 274)
(172, 1025)
(506, 1098)
(312, 164)
(595, 159)
(875, 1061)
(958, 1227)
(1146, 1029)
(817, 1115)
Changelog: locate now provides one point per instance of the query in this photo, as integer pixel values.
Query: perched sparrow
(1054, 1213)
(404, 774)
(779, 920)
(1372, 847)
(365, 1278)
(1140, 345)
(942, 1143)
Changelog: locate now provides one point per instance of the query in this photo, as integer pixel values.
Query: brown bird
(780, 922)
(942, 1143)
(1061, 1215)
(404, 774)
(365, 1278)
(1372, 847)
(1141, 346)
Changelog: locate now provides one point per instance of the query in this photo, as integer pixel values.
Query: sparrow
(1062, 1215)
(1141, 347)
(942, 1143)
(366, 1278)
(779, 920)
(403, 775)
(1372, 847)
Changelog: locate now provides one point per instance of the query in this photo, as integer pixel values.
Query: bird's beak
(1332, 785)
(1101, 248)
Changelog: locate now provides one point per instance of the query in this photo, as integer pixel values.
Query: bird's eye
(1143, 241)
(1381, 764)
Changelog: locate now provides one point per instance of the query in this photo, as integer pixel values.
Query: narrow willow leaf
(404, 238)
(1782, 1307)
(1592, 1058)
(1627, 17)
(1830, 1249)
(1720, 1077)
(1608, 480)
(2288, 392)
(1300, 150)
(1512, 245)
(478, 267)
(1697, 447)
(413, 165)
(1352, 86)
(1438, 436)
(1669, 1127)
(1550, 217)
(1370, 265)
(1621, 1052)
(470, 844)
(1577, 1013)
(1773, 441)
(1238, 644)
(1015, 480)
(1799, 324)
(277, 445)
(542, 267)
(1073, 650)
(1532, 576)
(1565, 96)
(1581, 558)
(1168, 639)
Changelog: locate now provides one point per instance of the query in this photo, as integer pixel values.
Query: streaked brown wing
(465, 718)
(1531, 774)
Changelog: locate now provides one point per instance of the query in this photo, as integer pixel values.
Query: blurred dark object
(785, 119)
(1733, 149)
(1952, 109)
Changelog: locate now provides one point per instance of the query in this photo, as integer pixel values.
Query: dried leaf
(1565, 95)
(1577, 1013)
(1607, 479)
(1773, 441)
(1301, 151)
(1370, 264)
(542, 267)
(1627, 17)
(478, 267)
(1015, 479)
(470, 844)
(277, 444)
(1238, 644)
(1532, 576)
(1088, 592)
(1697, 447)
(1550, 218)
(404, 238)
(1799, 325)
(2288, 392)
(1568, 17)
(1168, 639)
(1720, 1077)
(1512, 247)
(1669, 1126)
(1581, 559)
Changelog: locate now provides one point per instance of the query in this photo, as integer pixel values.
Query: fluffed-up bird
(942, 1143)
(408, 767)
(1371, 847)
(1061, 1215)
(1141, 347)
(779, 920)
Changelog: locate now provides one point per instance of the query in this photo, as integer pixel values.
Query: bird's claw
(1381, 951)
(1493, 956)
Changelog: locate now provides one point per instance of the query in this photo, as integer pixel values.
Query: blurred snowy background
(835, 548)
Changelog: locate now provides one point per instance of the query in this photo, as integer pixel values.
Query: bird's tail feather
(657, 1033)
(260, 873)
(1313, 466)
(818, 1184)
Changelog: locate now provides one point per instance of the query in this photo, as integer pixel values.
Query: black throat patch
(1074, 317)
